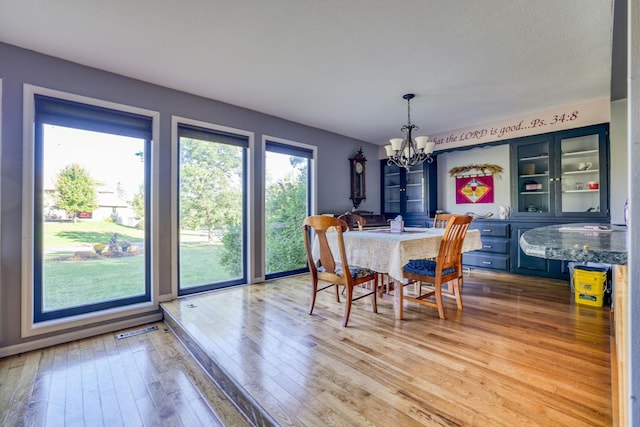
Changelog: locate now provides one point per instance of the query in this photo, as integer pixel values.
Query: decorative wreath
(486, 169)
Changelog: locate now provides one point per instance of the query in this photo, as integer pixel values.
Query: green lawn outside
(199, 264)
(70, 281)
(87, 232)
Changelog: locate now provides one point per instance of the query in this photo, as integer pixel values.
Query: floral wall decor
(474, 183)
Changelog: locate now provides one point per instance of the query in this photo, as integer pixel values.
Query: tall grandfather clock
(358, 182)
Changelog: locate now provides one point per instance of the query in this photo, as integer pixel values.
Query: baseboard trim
(77, 335)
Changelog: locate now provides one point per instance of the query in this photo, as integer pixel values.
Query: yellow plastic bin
(590, 284)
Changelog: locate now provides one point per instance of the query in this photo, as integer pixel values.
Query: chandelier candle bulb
(389, 150)
(429, 147)
(422, 142)
(396, 143)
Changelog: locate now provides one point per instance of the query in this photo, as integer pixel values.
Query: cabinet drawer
(486, 260)
(498, 230)
(497, 245)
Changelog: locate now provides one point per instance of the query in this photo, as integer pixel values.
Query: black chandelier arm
(401, 161)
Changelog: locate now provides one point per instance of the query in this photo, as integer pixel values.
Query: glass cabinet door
(392, 187)
(415, 188)
(562, 174)
(533, 184)
(580, 169)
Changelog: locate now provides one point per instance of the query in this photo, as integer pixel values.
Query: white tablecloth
(387, 252)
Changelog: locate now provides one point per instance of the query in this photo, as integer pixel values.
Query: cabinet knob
(486, 230)
(487, 246)
(487, 262)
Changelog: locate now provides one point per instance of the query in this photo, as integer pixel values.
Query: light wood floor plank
(520, 353)
(144, 380)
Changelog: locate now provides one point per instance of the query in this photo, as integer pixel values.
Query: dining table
(386, 251)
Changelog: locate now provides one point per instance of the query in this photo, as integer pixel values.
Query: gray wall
(19, 66)
(618, 170)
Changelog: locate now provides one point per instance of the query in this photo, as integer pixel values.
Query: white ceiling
(340, 65)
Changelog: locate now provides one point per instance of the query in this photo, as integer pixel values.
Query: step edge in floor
(240, 397)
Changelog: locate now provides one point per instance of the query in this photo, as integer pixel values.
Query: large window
(287, 203)
(211, 209)
(90, 207)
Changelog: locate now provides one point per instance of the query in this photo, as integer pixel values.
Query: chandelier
(408, 152)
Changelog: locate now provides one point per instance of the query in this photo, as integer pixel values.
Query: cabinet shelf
(415, 185)
(579, 153)
(534, 192)
(525, 159)
(392, 186)
(534, 175)
(581, 172)
(582, 191)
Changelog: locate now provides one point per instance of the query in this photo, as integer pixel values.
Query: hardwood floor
(521, 353)
(143, 380)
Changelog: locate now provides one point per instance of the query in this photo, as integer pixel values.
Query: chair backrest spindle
(441, 220)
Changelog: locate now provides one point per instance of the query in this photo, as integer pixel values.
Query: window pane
(90, 228)
(286, 206)
(211, 213)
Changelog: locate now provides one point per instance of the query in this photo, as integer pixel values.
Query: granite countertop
(572, 242)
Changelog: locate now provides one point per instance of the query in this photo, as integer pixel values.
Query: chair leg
(374, 294)
(439, 301)
(456, 289)
(384, 284)
(347, 308)
(337, 293)
(314, 293)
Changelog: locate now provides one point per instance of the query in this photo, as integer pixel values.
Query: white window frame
(28, 327)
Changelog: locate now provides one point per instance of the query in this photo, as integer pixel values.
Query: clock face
(359, 167)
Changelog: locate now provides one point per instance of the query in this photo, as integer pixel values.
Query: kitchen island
(584, 242)
(581, 242)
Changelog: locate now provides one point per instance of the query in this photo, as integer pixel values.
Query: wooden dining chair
(444, 269)
(353, 220)
(328, 270)
(441, 221)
